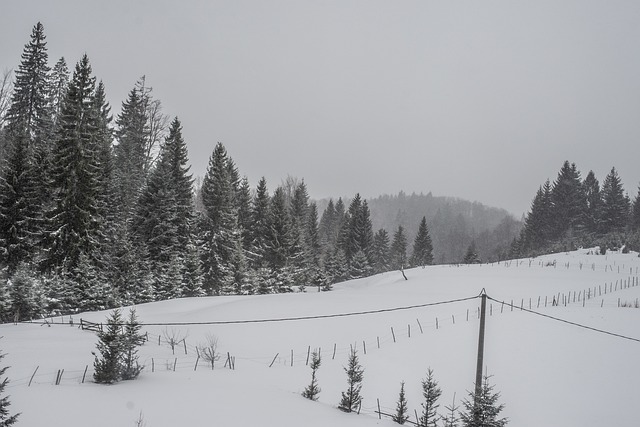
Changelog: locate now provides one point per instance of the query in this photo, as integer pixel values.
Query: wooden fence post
(33, 375)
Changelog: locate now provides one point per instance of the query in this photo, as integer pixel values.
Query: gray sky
(482, 100)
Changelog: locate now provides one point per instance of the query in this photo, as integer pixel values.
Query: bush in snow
(209, 350)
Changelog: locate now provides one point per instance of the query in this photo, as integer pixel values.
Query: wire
(571, 323)
(289, 319)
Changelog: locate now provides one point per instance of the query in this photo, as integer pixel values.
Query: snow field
(548, 372)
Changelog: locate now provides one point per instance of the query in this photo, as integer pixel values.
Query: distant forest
(572, 212)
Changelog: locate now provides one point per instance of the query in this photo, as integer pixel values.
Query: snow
(549, 373)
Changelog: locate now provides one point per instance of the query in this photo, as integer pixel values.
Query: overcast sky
(482, 100)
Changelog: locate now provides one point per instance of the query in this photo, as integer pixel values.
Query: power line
(571, 323)
(289, 319)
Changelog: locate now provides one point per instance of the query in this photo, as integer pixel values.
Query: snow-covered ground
(549, 373)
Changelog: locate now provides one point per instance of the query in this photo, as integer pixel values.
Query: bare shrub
(173, 337)
(209, 350)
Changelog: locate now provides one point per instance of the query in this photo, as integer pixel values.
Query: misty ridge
(454, 224)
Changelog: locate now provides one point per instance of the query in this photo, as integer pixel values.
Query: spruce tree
(260, 225)
(6, 420)
(26, 299)
(380, 254)
(29, 115)
(451, 419)
(219, 225)
(74, 220)
(568, 200)
(312, 391)
(107, 364)
(132, 338)
(24, 193)
(431, 393)
(58, 84)
(422, 247)
(471, 256)
(483, 410)
(635, 213)
(17, 207)
(351, 398)
(398, 250)
(130, 162)
(538, 226)
(401, 415)
(615, 207)
(593, 213)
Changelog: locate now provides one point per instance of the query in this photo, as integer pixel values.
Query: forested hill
(453, 224)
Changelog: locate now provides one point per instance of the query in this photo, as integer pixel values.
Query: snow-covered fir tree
(351, 398)
(483, 410)
(313, 390)
(431, 393)
(6, 419)
(398, 250)
(422, 253)
(402, 412)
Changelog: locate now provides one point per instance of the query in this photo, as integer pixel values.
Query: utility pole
(480, 363)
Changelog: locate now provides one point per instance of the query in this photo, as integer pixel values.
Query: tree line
(98, 212)
(572, 212)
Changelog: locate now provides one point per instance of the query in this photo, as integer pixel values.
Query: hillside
(453, 224)
(548, 372)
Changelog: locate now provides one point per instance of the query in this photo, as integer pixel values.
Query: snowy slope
(550, 373)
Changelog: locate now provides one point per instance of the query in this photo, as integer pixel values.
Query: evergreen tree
(326, 228)
(615, 208)
(538, 227)
(380, 254)
(451, 420)
(431, 393)
(74, 221)
(29, 115)
(220, 221)
(192, 276)
(312, 391)
(131, 163)
(401, 415)
(568, 200)
(471, 257)
(110, 345)
(422, 247)
(635, 213)
(24, 178)
(359, 266)
(351, 398)
(398, 250)
(132, 338)
(6, 420)
(260, 225)
(312, 249)
(58, 84)
(483, 410)
(17, 208)
(280, 243)
(243, 203)
(593, 213)
(25, 294)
